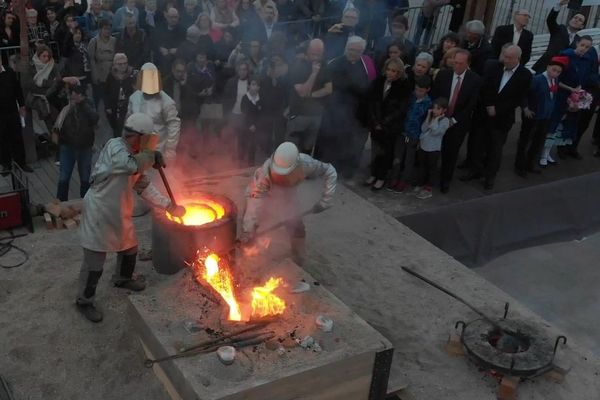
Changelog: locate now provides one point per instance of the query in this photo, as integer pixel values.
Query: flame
(219, 277)
(264, 302)
(221, 280)
(199, 212)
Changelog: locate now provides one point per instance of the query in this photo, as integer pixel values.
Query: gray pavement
(559, 282)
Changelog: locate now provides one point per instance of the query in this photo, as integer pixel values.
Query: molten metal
(219, 277)
(199, 212)
(264, 302)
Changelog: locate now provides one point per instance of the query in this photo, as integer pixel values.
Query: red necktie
(454, 96)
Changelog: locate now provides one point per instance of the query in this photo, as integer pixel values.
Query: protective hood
(149, 79)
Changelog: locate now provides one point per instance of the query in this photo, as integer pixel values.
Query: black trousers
(531, 143)
(451, 143)
(488, 154)
(428, 161)
(382, 153)
(12, 147)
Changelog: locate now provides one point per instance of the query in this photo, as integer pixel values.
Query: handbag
(39, 103)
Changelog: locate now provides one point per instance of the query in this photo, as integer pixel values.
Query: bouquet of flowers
(579, 100)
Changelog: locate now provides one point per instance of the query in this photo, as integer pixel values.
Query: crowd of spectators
(326, 74)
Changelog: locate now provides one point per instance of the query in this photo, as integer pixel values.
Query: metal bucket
(174, 244)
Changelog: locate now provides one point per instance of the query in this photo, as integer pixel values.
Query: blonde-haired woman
(389, 99)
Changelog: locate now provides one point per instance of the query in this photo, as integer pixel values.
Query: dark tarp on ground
(476, 231)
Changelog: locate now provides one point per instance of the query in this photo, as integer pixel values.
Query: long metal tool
(164, 179)
(199, 347)
(255, 339)
(457, 297)
(277, 226)
(226, 336)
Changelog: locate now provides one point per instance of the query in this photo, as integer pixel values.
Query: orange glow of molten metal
(264, 302)
(199, 212)
(221, 280)
(219, 277)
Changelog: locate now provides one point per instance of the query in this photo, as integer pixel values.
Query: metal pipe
(164, 179)
(449, 293)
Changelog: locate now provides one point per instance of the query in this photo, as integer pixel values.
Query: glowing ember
(217, 274)
(220, 279)
(264, 302)
(199, 212)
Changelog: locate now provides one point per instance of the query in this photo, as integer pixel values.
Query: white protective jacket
(261, 183)
(164, 114)
(107, 222)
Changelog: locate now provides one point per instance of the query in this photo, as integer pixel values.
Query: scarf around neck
(42, 71)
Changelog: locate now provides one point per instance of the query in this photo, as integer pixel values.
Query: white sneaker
(550, 159)
(424, 194)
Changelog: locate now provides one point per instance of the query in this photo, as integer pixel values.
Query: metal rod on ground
(449, 293)
(226, 336)
(258, 338)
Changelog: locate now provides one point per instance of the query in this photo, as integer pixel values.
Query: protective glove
(176, 210)
(159, 160)
(144, 159)
(318, 208)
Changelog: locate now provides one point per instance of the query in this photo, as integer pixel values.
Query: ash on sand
(182, 299)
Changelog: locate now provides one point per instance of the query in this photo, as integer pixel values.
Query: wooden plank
(160, 374)
(344, 370)
(348, 379)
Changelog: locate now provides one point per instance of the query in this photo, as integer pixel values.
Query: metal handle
(167, 186)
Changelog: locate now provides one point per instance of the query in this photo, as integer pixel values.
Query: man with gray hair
(514, 34)
(505, 84)
(345, 119)
(338, 34)
(477, 43)
(310, 81)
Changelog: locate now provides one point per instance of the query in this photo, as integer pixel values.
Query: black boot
(126, 272)
(90, 311)
(84, 304)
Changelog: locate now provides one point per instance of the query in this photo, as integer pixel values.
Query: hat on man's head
(285, 158)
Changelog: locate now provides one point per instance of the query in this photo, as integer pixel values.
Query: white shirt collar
(461, 76)
(511, 70)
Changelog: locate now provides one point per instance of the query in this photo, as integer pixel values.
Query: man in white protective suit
(284, 171)
(151, 100)
(107, 222)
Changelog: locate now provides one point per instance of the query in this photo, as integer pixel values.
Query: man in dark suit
(561, 36)
(515, 34)
(461, 87)
(505, 84)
